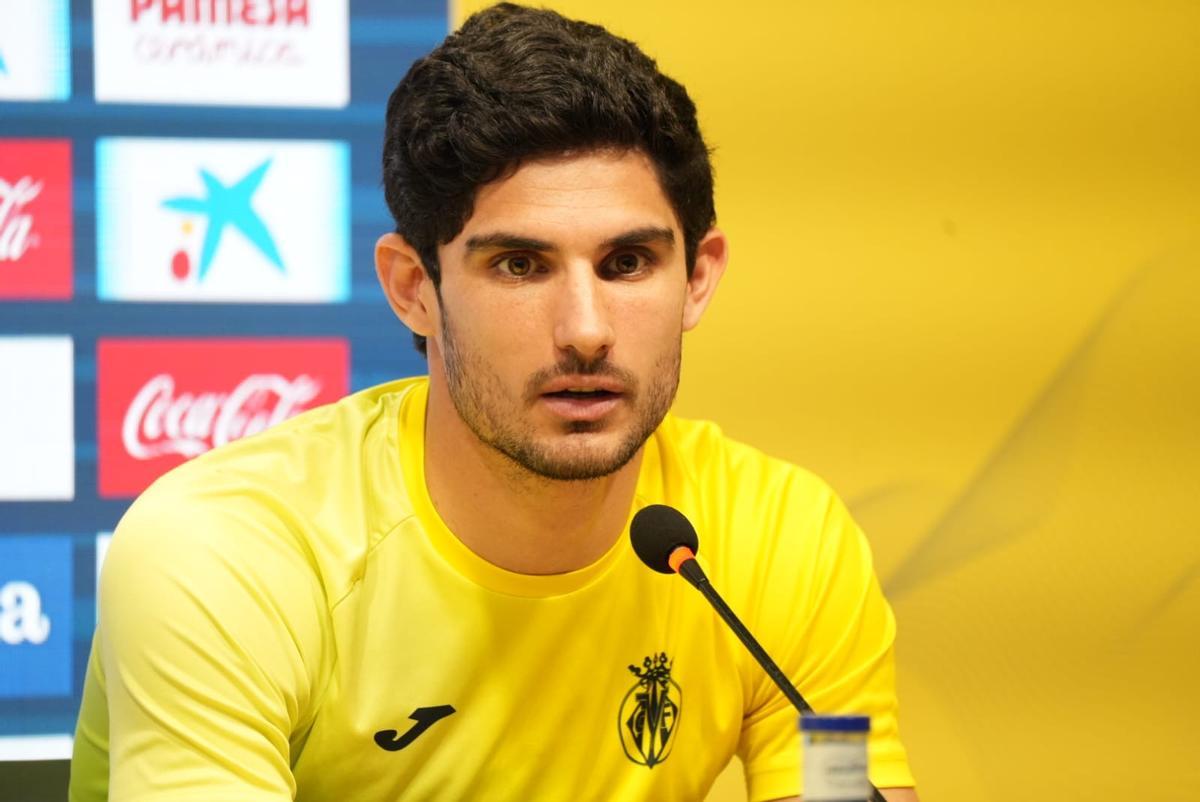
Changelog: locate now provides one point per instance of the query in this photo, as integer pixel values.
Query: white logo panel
(35, 50)
(103, 539)
(36, 747)
(37, 419)
(222, 220)
(223, 52)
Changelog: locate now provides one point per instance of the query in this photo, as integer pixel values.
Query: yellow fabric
(269, 607)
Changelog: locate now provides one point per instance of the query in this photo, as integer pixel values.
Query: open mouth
(583, 395)
(582, 403)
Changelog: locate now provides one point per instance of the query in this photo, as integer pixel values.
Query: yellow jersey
(288, 617)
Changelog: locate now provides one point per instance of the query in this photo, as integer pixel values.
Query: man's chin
(584, 426)
(579, 470)
(572, 461)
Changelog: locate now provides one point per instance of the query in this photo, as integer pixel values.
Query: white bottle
(835, 758)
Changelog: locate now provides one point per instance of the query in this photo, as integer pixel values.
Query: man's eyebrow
(506, 241)
(641, 236)
(516, 242)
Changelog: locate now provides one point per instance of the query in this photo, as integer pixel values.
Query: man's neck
(510, 516)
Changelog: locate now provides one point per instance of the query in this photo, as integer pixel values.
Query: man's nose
(582, 322)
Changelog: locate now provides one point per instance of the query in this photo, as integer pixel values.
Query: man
(425, 591)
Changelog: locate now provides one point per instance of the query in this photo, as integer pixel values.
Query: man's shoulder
(291, 451)
(318, 483)
(751, 509)
(708, 456)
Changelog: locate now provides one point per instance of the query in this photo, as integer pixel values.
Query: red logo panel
(161, 402)
(35, 218)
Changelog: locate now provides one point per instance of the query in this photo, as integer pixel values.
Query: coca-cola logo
(160, 402)
(16, 225)
(160, 421)
(35, 219)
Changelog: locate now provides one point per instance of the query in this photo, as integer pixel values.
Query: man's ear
(406, 284)
(712, 254)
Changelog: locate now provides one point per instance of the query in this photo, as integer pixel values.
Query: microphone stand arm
(694, 574)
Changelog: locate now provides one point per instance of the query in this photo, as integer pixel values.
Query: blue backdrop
(52, 544)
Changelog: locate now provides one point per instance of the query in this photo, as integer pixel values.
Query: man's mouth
(583, 394)
(585, 399)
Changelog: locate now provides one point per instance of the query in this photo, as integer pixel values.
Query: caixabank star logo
(222, 220)
(35, 50)
(650, 711)
(223, 207)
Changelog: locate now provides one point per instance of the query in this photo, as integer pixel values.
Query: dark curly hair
(514, 84)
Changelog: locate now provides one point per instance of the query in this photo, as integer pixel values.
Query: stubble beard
(480, 399)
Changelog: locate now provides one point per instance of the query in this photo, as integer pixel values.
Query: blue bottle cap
(819, 723)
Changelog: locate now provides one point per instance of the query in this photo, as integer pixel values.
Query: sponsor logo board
(35, 50)
(222, 220)
(36, 626)
(102, 541)
(161, 402)
(37, 419)
(223, 52)
(36, 747)
(35, 219)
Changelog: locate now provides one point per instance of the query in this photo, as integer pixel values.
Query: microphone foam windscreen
(656, 531)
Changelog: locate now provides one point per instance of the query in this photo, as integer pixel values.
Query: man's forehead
(603, 195)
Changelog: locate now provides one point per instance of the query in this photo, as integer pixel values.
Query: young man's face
(562, 304)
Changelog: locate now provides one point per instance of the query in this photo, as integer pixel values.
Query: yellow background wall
(966, 266)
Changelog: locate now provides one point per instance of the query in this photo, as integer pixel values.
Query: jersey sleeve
(818, 609)
(209, 654)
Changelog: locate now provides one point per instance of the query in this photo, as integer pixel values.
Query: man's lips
(577, 407)
(582, 398)
(582, 385)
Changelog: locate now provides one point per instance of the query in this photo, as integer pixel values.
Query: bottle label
(836, 772)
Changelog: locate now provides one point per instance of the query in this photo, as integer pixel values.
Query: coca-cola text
(160, 422)
(16, 225)
(161, 402)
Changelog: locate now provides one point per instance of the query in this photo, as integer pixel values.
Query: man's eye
(626, 264)
(516, 265)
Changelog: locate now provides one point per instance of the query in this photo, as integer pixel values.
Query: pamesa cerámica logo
(222, 220)
(225, 52)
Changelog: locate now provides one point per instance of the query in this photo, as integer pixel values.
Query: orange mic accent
(679, 556)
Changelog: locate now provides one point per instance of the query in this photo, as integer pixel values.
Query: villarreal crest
(650, 711)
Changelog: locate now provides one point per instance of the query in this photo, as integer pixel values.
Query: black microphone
(665, 540)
